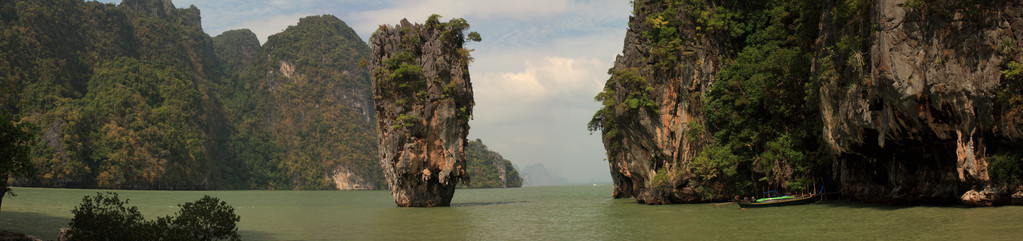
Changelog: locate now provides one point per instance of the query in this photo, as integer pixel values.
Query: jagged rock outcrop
(424, 102)
(914, 118)
(165, 9)
(646, 141)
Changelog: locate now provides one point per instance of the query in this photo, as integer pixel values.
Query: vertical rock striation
(424, 102)
(913, 118)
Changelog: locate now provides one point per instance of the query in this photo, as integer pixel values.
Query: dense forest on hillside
(488, 169)
(137, 96)
(124, 98)
(302, 109)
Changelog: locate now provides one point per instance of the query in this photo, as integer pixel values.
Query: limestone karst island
(511, 120)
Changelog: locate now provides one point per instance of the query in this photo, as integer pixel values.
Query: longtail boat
(783, 200)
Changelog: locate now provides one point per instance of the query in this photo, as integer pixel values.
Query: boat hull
(786, 202)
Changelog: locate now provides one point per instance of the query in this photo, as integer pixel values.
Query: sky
(534, 76)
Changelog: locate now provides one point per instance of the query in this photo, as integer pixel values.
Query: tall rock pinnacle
(424, 102)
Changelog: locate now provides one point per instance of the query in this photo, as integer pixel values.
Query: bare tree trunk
(3, 189)
(3, 192)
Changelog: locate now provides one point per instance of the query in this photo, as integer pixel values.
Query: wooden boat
(781, 201)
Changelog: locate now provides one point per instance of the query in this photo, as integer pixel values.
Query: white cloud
(540, 82)
(418, 11)
(538, 114)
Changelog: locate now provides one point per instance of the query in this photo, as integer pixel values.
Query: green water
(531, 213)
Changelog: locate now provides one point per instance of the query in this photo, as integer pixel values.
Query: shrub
(205, 219)
(660, 178)
(1006, 167)
(105, 217)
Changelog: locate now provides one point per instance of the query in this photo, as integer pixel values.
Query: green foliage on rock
(1009, 98)
(307, 99)
(137, 96)
(106, 217)
(146, 117)
(124, 95)
(406, 74)
(1005, 164)
(1006, 167)
(757, 124)
(414, 75)
(639, 96)
(762, 111)
(236, 50)
(405, 121)
(488, 169)
(1012, 70)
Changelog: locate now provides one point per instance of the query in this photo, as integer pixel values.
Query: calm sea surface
(531, 213)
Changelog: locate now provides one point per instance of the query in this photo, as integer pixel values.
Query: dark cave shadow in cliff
(473, 204)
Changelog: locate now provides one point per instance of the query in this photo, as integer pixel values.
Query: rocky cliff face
(648, 139)
(314, 100)
(914, 99)
(423, 101)
(914, 118)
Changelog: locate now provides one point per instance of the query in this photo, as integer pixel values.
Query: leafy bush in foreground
(105, 217)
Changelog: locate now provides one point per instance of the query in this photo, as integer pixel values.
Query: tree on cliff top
(15, 144)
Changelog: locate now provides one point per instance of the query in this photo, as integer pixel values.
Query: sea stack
(424, 101)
